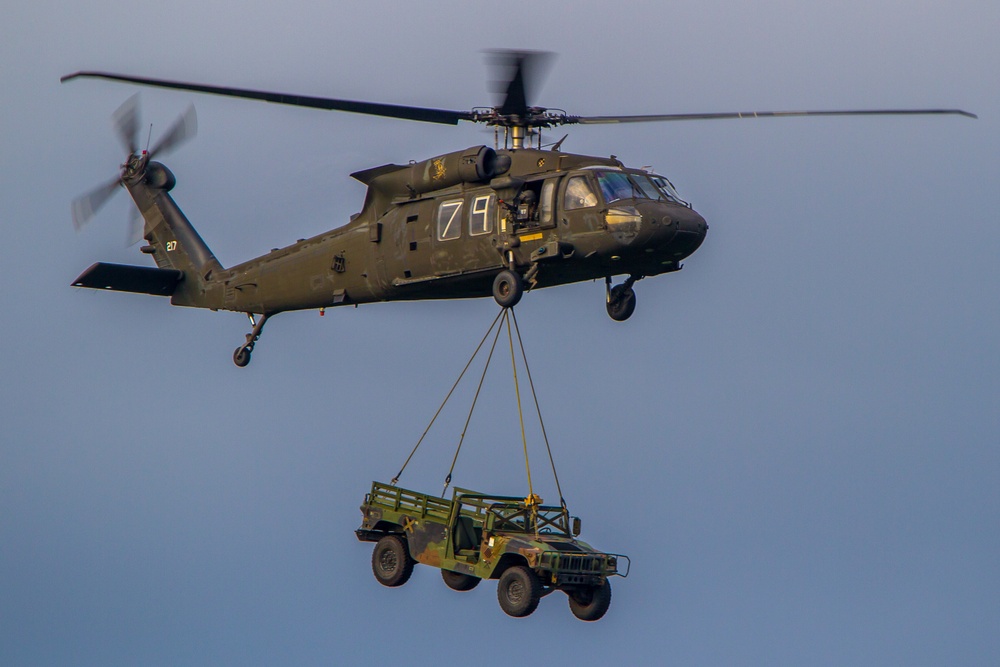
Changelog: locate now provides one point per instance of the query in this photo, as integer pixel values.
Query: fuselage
(559, 217)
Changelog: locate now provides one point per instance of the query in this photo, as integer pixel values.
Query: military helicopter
(470, 223)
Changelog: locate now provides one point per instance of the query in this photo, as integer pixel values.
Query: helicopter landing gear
(621, 298)
(508, 288)
(241, 356)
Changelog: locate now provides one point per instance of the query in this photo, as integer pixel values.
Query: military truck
(529, 547)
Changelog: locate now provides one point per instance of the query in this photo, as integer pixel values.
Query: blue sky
(795, 438)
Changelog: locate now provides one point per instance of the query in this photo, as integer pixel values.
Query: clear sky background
(796, 438)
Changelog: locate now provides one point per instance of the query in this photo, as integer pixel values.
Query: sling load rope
(506, 314)
(434, 418)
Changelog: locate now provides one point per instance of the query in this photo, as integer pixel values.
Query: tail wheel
(391, 562)
(590, 604)
(457, 581)
(508, 288)
(519, 591)
(241, 357)
(621, 303)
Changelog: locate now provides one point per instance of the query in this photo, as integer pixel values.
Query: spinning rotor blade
(184, 128)
(126, 122)
(134, 228)
(86, 205)
(371, 108)
(520, 72)
(595, 120)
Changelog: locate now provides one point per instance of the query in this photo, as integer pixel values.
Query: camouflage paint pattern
(480, 535)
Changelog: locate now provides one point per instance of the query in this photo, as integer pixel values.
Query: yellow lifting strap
(520, 414)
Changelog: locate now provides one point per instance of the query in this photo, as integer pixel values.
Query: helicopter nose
(691, 231)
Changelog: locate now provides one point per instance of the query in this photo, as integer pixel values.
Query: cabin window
(579, 194)
(481, 215)
(449, 218)
(547, 202)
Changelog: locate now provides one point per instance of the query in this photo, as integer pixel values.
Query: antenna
(148, 137)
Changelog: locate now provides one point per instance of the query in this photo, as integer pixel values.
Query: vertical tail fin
(173, 241)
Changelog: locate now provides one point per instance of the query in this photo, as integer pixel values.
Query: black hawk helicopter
(471, 223)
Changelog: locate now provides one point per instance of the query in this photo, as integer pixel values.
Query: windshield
(520, 519)
(647, 186)
(616, 185)
(667, 187)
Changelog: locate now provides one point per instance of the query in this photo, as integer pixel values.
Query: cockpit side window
(578, 194)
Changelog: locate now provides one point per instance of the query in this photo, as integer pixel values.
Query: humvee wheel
(507, 288)
(459, 582)
(590, 604)
(621, 303)
(391, 562)
(519, 591)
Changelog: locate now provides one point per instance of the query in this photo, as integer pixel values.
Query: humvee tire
(459, 582)
(519, 591)
(391, 562)
(590, 604)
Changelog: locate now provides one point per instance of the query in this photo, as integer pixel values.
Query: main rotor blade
(427, 115)
(519, 72)
(86, 205)
(594, 120)
(184, 128)
(126, 122)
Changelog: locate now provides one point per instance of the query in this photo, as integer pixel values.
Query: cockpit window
(578, 194)
(647, 187)
(667, 187)
(615, 185)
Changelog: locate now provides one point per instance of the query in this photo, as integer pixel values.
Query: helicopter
(471, 223)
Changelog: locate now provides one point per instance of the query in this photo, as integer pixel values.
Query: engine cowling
(473, 165)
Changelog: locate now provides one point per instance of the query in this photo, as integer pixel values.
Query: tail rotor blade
(126, 122)
(134, 227)
(184, 128)
(86, 205)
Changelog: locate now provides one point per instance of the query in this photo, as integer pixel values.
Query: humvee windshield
(520, 519)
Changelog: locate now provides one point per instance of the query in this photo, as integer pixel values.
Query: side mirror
(577, 526)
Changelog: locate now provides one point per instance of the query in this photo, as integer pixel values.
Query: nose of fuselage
(676, 230)
(691, 231)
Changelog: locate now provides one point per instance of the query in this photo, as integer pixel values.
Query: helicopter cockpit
(618, 185)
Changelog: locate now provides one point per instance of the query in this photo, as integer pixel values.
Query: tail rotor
(126, 122)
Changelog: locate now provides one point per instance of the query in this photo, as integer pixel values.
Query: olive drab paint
(464, 224)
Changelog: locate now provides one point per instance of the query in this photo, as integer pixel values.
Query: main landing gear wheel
(457, 581)
(621, 303)
(508, 288)
(621, 298)
(519, 591)
(590, 604)
(391, 562)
